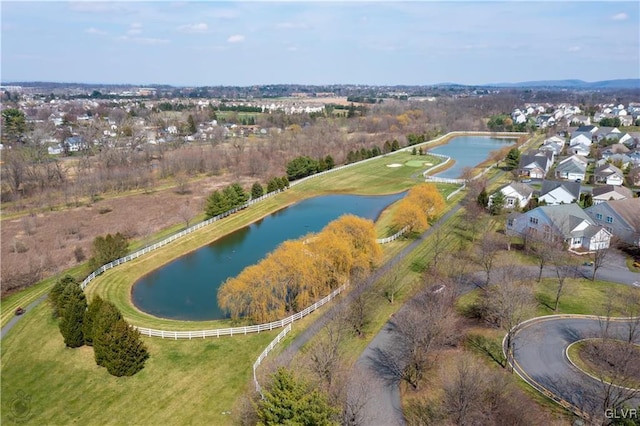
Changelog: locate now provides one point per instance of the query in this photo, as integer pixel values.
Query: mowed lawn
(183, 382)
(374, 176)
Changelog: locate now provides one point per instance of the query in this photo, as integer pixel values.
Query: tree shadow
(487, 347)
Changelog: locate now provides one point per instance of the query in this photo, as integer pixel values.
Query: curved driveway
(540, 359)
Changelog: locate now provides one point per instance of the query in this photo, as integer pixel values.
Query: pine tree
(216, 204)
(125, 353)
(497, 203)
(256, 190)
(292, 401)
(55, 295)
(272, 185)
(104, 321)
(330, 162)
(90, 319)
(72, 316)
(513, 158)
(483, 198)
(395, 145)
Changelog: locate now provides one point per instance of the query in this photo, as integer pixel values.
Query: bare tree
(186, 213)
(427, 323)
(487, 252)
(543, 250)
(463, 392)
(600, 257)
(564, 268)
(326, 353)
(507, 303)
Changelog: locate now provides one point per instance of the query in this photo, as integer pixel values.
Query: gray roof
(566, 217)
(540, 160)
(601, 171)
(572, 188)
(572, 166)
(601, 190)
(522, 188)
(629, 210)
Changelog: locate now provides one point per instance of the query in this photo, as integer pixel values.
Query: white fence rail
(234, 331)
(264, 354)
(393, 237)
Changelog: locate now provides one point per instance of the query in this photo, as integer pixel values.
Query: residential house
(554, 147)
(580, 149)
(580, 139)
(535, 165)
(54, 149)
(611, 192)
(559, 192)
(568, 224)
(573, 168)
(555, 139)
(516, 194)
(619, 217)
(609, 174)
(588, 131)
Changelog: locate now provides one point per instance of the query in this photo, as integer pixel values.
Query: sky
(198, 43)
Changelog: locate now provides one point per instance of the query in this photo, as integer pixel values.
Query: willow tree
(411, 216)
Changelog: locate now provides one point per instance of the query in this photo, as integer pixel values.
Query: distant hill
(631, 83)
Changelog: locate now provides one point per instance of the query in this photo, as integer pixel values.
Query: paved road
(15, 319)
(540, 359)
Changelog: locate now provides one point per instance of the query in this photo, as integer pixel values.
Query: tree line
(302, 271)
(304, 166)
(116, 345)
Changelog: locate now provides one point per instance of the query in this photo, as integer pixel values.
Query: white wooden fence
(393, 237)
(234, 331)
(264, 354)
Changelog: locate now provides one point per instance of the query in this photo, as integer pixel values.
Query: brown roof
(622, 190)
(629, 210)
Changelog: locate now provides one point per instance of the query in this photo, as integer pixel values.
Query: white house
(556, 192)
(609, 174)
(620, 217)
(568, 224)
(580, 139)
(516, 194)
(611, 192)
(580, 149)
(535, 165)
(572, 168)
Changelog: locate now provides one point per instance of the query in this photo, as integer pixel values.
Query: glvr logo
(21, 406)
(622, 413)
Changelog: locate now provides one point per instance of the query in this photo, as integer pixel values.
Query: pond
(468, 151)
(187, 288)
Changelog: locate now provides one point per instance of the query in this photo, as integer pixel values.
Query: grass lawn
(576, 352)
(183, 382)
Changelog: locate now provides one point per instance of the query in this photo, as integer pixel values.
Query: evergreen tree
(90, 319)
(55, 295)
(513, 158)
(241, 196)
(483, 198)
(72, 315)
(125, 353)
(375, 151)
(414, 151)
(108, 248)
(386, 148)
(257, 190)
(285, 182)
(395, 145)
(217, 204)
(497, 203)
(294, 402)
(272, 185)
(322, 165)
(191, 125)
(104, 321)
(330, 162)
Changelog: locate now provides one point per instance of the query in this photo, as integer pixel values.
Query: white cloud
(194, 28)
(574, 49)
(135, 28)
(237, 38)
(94, 31)
(143, 40)
(620, 16)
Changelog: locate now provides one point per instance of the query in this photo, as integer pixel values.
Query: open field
(183, 382)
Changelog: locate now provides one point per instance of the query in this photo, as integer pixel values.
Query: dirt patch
(45, 244)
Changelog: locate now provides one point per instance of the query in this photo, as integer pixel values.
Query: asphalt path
(540, 359)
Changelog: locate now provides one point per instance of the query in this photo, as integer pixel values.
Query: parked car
(20, 311)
